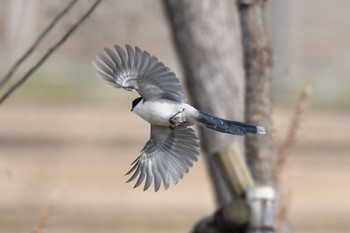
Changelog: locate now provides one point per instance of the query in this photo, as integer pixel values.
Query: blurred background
(66, 139)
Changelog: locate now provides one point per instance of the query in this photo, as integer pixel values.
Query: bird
(173, 145)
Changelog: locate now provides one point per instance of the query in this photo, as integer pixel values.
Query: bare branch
(289, 141)
(42, 35)
(50, 51)
(282, 154)
(285, 201)
(41, 222)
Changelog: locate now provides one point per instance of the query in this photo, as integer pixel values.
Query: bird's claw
(176, 120)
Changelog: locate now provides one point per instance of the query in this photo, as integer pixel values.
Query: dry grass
(282, 155)
(290, 139)
(41, 222)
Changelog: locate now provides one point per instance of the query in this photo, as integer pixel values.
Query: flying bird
(173, 145)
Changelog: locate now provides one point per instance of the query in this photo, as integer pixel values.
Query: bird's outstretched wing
(168, 155)
(134, 69)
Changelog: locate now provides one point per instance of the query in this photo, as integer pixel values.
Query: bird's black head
(135, 102)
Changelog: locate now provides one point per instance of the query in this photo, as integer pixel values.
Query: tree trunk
(260, 151)
(207, 35)
(208, 40)
(258, 63)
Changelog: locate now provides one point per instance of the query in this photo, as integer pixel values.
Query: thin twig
(42, 35)
(42, 220)
(282, 154)
(284, 204)
(290, 138)
(50, 51)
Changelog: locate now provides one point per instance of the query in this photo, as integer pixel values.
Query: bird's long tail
(226, 126)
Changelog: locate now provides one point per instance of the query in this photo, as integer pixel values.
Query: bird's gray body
(173, 146)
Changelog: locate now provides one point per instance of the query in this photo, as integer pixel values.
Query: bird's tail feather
(226, 126)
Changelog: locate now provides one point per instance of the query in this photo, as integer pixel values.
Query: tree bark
(258, 64)
(208, 40)
(260, 151)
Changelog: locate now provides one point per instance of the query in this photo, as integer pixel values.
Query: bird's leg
(177, 119)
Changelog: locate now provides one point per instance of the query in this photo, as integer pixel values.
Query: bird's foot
(176, 120)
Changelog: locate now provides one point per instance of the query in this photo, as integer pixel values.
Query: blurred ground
(73, 156)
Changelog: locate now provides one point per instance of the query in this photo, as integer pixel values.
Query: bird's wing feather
(134, 69)
(168, 155)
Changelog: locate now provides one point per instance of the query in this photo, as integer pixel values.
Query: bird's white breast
(160, 111)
